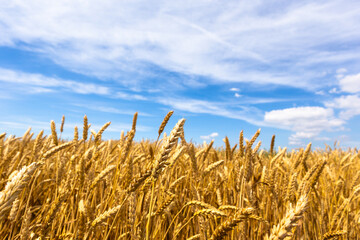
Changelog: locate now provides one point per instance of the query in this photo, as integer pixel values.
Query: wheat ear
(333, 234)
(53, 133)
(283, 229)
(212, 166)
(56, 149)
(133, 127)
(241, 143)
(62, 123)
(222, 230)
(102, 129)
(167, 147)
(19, 180)
(85, 128)
(164, 122)
(76, 134)
(272, 144)
(102, 175)
(197, 236)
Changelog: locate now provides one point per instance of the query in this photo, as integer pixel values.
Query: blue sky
(291, 68)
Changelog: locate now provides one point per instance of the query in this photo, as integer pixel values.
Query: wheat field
(88, 188)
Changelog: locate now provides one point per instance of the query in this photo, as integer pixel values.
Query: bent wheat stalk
(17, 182)
(283, 229)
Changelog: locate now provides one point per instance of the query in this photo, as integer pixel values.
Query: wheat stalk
(164, 122)
(293, 215)
(17, 182)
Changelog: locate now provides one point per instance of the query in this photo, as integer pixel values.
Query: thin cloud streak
(43, 84)
(107, 109)
(35, 83)
(249, 114)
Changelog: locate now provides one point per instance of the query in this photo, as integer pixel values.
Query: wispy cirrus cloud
(23, 125)
(108, 109)
(36, 83)
(39, 83)
(249, 114)
(262, 42)
(128, 96)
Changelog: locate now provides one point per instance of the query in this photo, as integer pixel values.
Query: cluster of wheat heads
(89, 188)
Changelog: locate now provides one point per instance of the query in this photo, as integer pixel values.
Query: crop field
(89, 188)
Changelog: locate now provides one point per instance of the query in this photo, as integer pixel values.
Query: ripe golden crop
(170, 189)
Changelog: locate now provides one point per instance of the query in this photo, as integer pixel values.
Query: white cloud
(340, 73)
(210, 136)
(128, 96)
(36, 90)
(350, 83)
(227, 42)
(21, 125)
(306, 122)
(237, 95)
(97, 107)
(234, 89)
(333, 90)
(40, 83)
(249, 114)
(349, 105)
(341, 70)
(298, 138)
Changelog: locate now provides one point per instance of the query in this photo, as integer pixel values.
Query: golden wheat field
(88, 188)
